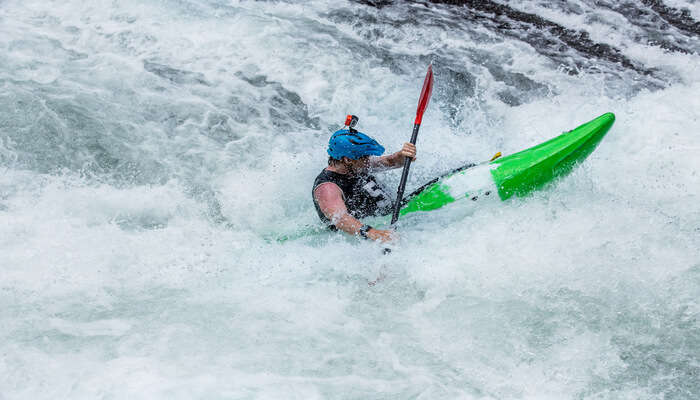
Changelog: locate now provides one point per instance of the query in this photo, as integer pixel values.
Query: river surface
(151, 151)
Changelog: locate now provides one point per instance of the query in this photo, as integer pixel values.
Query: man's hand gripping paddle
(422, 104)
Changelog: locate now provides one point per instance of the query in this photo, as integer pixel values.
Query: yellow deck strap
(495, 156)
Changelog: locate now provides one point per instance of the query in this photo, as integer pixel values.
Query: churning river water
(150, 149)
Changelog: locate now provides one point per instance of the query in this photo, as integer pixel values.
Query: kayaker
(346, 190)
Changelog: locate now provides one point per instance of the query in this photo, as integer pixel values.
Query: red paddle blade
(425, 94)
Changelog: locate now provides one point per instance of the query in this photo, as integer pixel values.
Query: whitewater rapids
(149, 150)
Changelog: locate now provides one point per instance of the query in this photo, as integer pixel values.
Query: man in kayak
(346, 190)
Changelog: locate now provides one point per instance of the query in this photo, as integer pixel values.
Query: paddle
(422, 104)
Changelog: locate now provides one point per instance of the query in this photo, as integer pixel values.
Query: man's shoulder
(325, 176)
(325, 186)
(331, 176)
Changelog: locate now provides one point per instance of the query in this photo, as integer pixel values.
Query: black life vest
(362, 194)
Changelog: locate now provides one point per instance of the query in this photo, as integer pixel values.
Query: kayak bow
(518, 174)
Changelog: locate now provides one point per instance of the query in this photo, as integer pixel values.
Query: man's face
(360, 164)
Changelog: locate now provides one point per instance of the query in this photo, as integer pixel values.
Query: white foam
(165, 287)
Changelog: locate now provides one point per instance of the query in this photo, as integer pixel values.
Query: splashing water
(147, 149)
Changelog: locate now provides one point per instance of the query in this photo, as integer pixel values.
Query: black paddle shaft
(404, 178)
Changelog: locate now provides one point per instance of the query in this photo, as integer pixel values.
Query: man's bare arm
(330, 200)
(395, 160)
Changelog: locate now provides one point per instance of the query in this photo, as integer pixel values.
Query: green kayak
(515, 175)
(500, 178)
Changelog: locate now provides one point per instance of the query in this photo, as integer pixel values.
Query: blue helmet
(353, 144)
